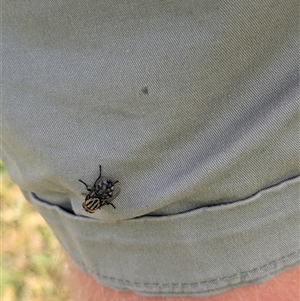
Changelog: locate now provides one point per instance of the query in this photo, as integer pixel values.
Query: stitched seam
(241, 274)
(250, 196)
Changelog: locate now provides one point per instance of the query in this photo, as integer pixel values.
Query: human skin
(283, 287)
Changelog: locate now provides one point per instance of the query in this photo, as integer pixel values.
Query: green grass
(32, 263)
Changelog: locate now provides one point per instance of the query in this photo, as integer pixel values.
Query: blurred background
(32, 263)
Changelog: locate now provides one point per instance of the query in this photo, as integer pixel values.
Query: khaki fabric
(191, 105)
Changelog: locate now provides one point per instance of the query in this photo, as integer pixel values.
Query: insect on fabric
(99, 194)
